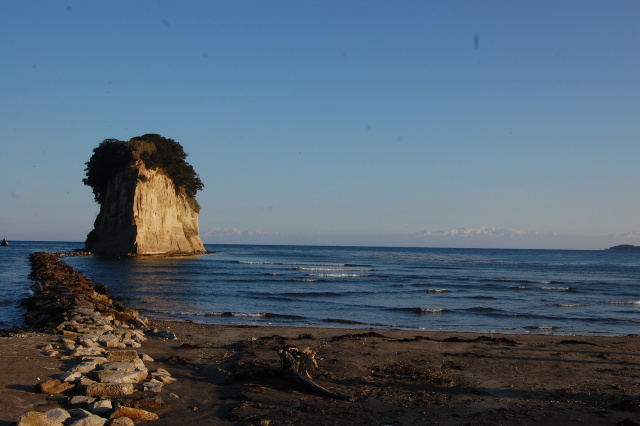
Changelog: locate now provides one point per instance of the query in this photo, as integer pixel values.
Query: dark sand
(232, 375)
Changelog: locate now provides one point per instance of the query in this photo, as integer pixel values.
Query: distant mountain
(625, 247)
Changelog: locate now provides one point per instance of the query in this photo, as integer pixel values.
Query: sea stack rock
(146, 191)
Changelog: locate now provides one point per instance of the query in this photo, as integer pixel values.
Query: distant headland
(624, 247)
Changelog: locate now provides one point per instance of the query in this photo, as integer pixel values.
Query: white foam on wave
(338, 275)
(437, 290)
(212, 314)
(325, 265)
(625, 302)
(244, 314)
(571, 305)
(541, 327)
(333, 269)
(556, 288)
(259, 262)
(434, 311)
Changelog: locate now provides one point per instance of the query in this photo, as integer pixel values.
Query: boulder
(53, 386)
(59, 414)
(101, 407)
(122, 421)
(36, 418)
(122, 356)
(133, 413)
(110, 389)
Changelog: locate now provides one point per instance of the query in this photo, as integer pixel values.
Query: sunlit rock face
(143, 214)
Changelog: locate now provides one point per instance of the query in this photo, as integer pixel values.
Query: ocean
(565, 292)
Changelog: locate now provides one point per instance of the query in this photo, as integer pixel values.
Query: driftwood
(300, 363)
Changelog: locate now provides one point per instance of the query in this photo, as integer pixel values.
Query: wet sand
(233, 375)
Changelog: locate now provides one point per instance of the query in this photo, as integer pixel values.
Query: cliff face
(142, 214)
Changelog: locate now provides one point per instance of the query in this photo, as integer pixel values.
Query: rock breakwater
(107, 381)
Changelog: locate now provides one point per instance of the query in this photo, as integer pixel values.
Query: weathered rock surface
(142, 214)
(122, 421)
(59, 414)
(133, 413)
(35, 418)
(110, 389)
(54, 386)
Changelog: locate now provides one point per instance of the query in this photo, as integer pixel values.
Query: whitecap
(338, 275)
(333, 269)
(434, 311)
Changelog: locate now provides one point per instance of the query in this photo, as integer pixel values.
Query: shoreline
(232, 374)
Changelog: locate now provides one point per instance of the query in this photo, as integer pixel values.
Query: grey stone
(110, 376)
(81, 399)
(110, 389)
(70, 377)
(128, 365)
(100, 407)
(153, 386)
(59, 414)
(84, 367)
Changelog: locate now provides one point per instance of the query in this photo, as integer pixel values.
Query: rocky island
(624, 247)
(146, 191)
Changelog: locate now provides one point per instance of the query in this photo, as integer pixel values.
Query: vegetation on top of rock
(625, 247)
(155, 151)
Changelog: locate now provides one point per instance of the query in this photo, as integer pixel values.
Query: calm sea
(481, 290)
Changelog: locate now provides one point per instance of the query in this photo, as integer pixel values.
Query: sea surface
(482, 290)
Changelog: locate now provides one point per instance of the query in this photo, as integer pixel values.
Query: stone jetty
(107, 381)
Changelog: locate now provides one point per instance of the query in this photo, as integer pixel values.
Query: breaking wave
(339, 275)
(421, 311)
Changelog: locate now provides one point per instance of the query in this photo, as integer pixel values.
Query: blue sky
(417, 123)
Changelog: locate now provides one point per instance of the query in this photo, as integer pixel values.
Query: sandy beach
(233, 375)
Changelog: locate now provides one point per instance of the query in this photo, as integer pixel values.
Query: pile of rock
(109, 380)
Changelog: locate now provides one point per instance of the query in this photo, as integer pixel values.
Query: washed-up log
(300, 363)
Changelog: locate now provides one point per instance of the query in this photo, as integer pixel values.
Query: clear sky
(359, 122)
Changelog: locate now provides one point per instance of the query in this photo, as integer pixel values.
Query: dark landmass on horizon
(624, 247)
